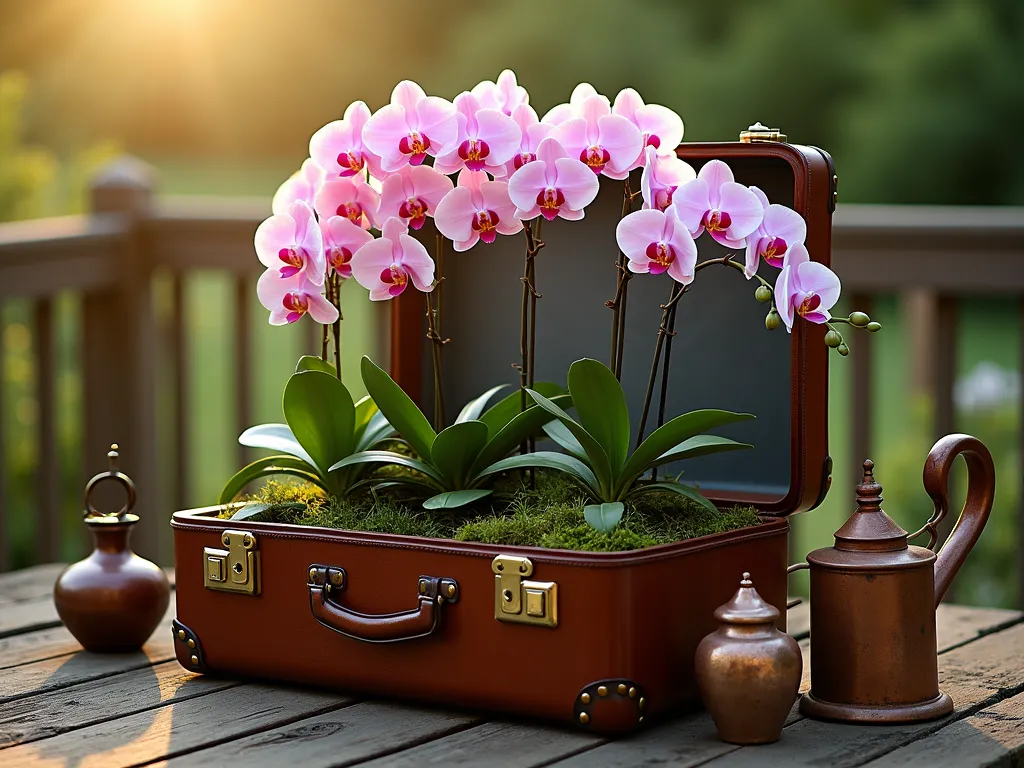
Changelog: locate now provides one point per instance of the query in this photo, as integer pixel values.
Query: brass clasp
(235, 569)
(758, 133)
(518, 600)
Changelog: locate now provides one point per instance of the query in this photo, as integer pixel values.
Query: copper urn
(111, 601)
(748, 671)
(873, 598)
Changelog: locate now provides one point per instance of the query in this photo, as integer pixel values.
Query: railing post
(119, 354)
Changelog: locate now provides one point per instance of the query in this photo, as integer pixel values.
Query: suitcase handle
(325, 582)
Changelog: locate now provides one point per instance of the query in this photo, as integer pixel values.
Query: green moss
(548, 515)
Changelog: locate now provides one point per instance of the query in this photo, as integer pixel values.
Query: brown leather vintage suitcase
(604, 641)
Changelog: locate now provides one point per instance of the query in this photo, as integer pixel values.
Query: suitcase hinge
(519, 600)
(235, 569)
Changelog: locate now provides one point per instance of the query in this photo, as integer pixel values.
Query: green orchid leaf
(506, 409)
(377, 430)
(398, 408)
(365, 409)
(670, 486)
(455, 451)
(250, 510)
(476, 406)
(699, 445)
(560, 434)
(453, 499)
(321, 415)
(388, 457)
(605, 516)
(548, 460)
(601, 408)
(313, 363)
(274, 437)
(272, 465)
(597, 458)
(521, 427)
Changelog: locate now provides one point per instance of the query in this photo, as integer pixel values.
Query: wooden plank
(178, 728)
(959, 624)
(992, 737)
(353, 734)
(47, 471)
(28, 583)
(27, 616)
(507, 744)
(49, 714)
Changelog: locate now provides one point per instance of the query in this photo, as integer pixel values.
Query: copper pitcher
(873, 598)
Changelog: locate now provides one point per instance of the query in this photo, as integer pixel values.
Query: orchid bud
(859, 319)
(843, 350)
(763, 294)
(873, 327)
(833, 339)
(772, 320)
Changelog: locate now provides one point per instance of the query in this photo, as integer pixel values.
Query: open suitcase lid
(722, 356)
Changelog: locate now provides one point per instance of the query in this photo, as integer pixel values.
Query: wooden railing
(927, 256)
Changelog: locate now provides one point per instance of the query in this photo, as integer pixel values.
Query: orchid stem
(617, 304)
(663, 394)
(663, 331)
(435, 337)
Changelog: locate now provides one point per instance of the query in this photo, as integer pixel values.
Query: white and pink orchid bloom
(488, 138)
(290, 298)
(663, 174)
(659, 126)
(716, 203)
(805, 288)
(656, 241)
(411, 127)
(342, 239)
(338, 147)
(289, 244)
(352, 198)
(532, 132)
(301, 185)
(607, 143)
(477, 209)
(386, 265)
(412, 194)
(562, 112)
(552, 185)
(504, 95)
(780, 229)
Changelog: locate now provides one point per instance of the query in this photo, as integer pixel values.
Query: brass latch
(760, 133)
(518, 600)
(235, 569)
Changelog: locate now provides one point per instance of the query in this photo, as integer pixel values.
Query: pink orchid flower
(715, 202)
(552, 185)
(780, 230)
(663, 174)
(532, 132)
(504, 95)
(290, 298)
(342, 239)
(352, 198)
(655, 242)
(290, 244)
(607, 143)
(487, 138)
(411, 127)
(412, 194)
(301, 185)
(805, 288)
(338, 147)
(562, 112)
(659, 126)
(386, 265)
(477, 209)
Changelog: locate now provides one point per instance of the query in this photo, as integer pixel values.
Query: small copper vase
(748, 671)
(113, 600)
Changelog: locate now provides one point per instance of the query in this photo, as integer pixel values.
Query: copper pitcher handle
(981, 488)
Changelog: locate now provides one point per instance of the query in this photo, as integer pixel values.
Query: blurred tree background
(919, 102)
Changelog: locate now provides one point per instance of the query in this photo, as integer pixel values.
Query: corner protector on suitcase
(187, 647)
(610, 706)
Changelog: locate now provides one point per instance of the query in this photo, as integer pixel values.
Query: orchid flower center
(485, 224)
(415, 145)
(396, 277)
(716, 221)
(651, 140)
(415, 210)
(352, 211)
(595, 157)
(550, 200)
(297, 305)
(663, 198)
(294, 258)
(339, 257)
(522, 159)
(772, 248)
(661, 255)
(473, 152)
(351, 163)
(810, 303)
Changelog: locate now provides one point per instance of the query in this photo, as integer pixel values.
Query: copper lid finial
(122, 515)
(869, 528)
(747, 607)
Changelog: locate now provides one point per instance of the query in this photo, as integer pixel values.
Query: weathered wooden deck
(62, 707)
